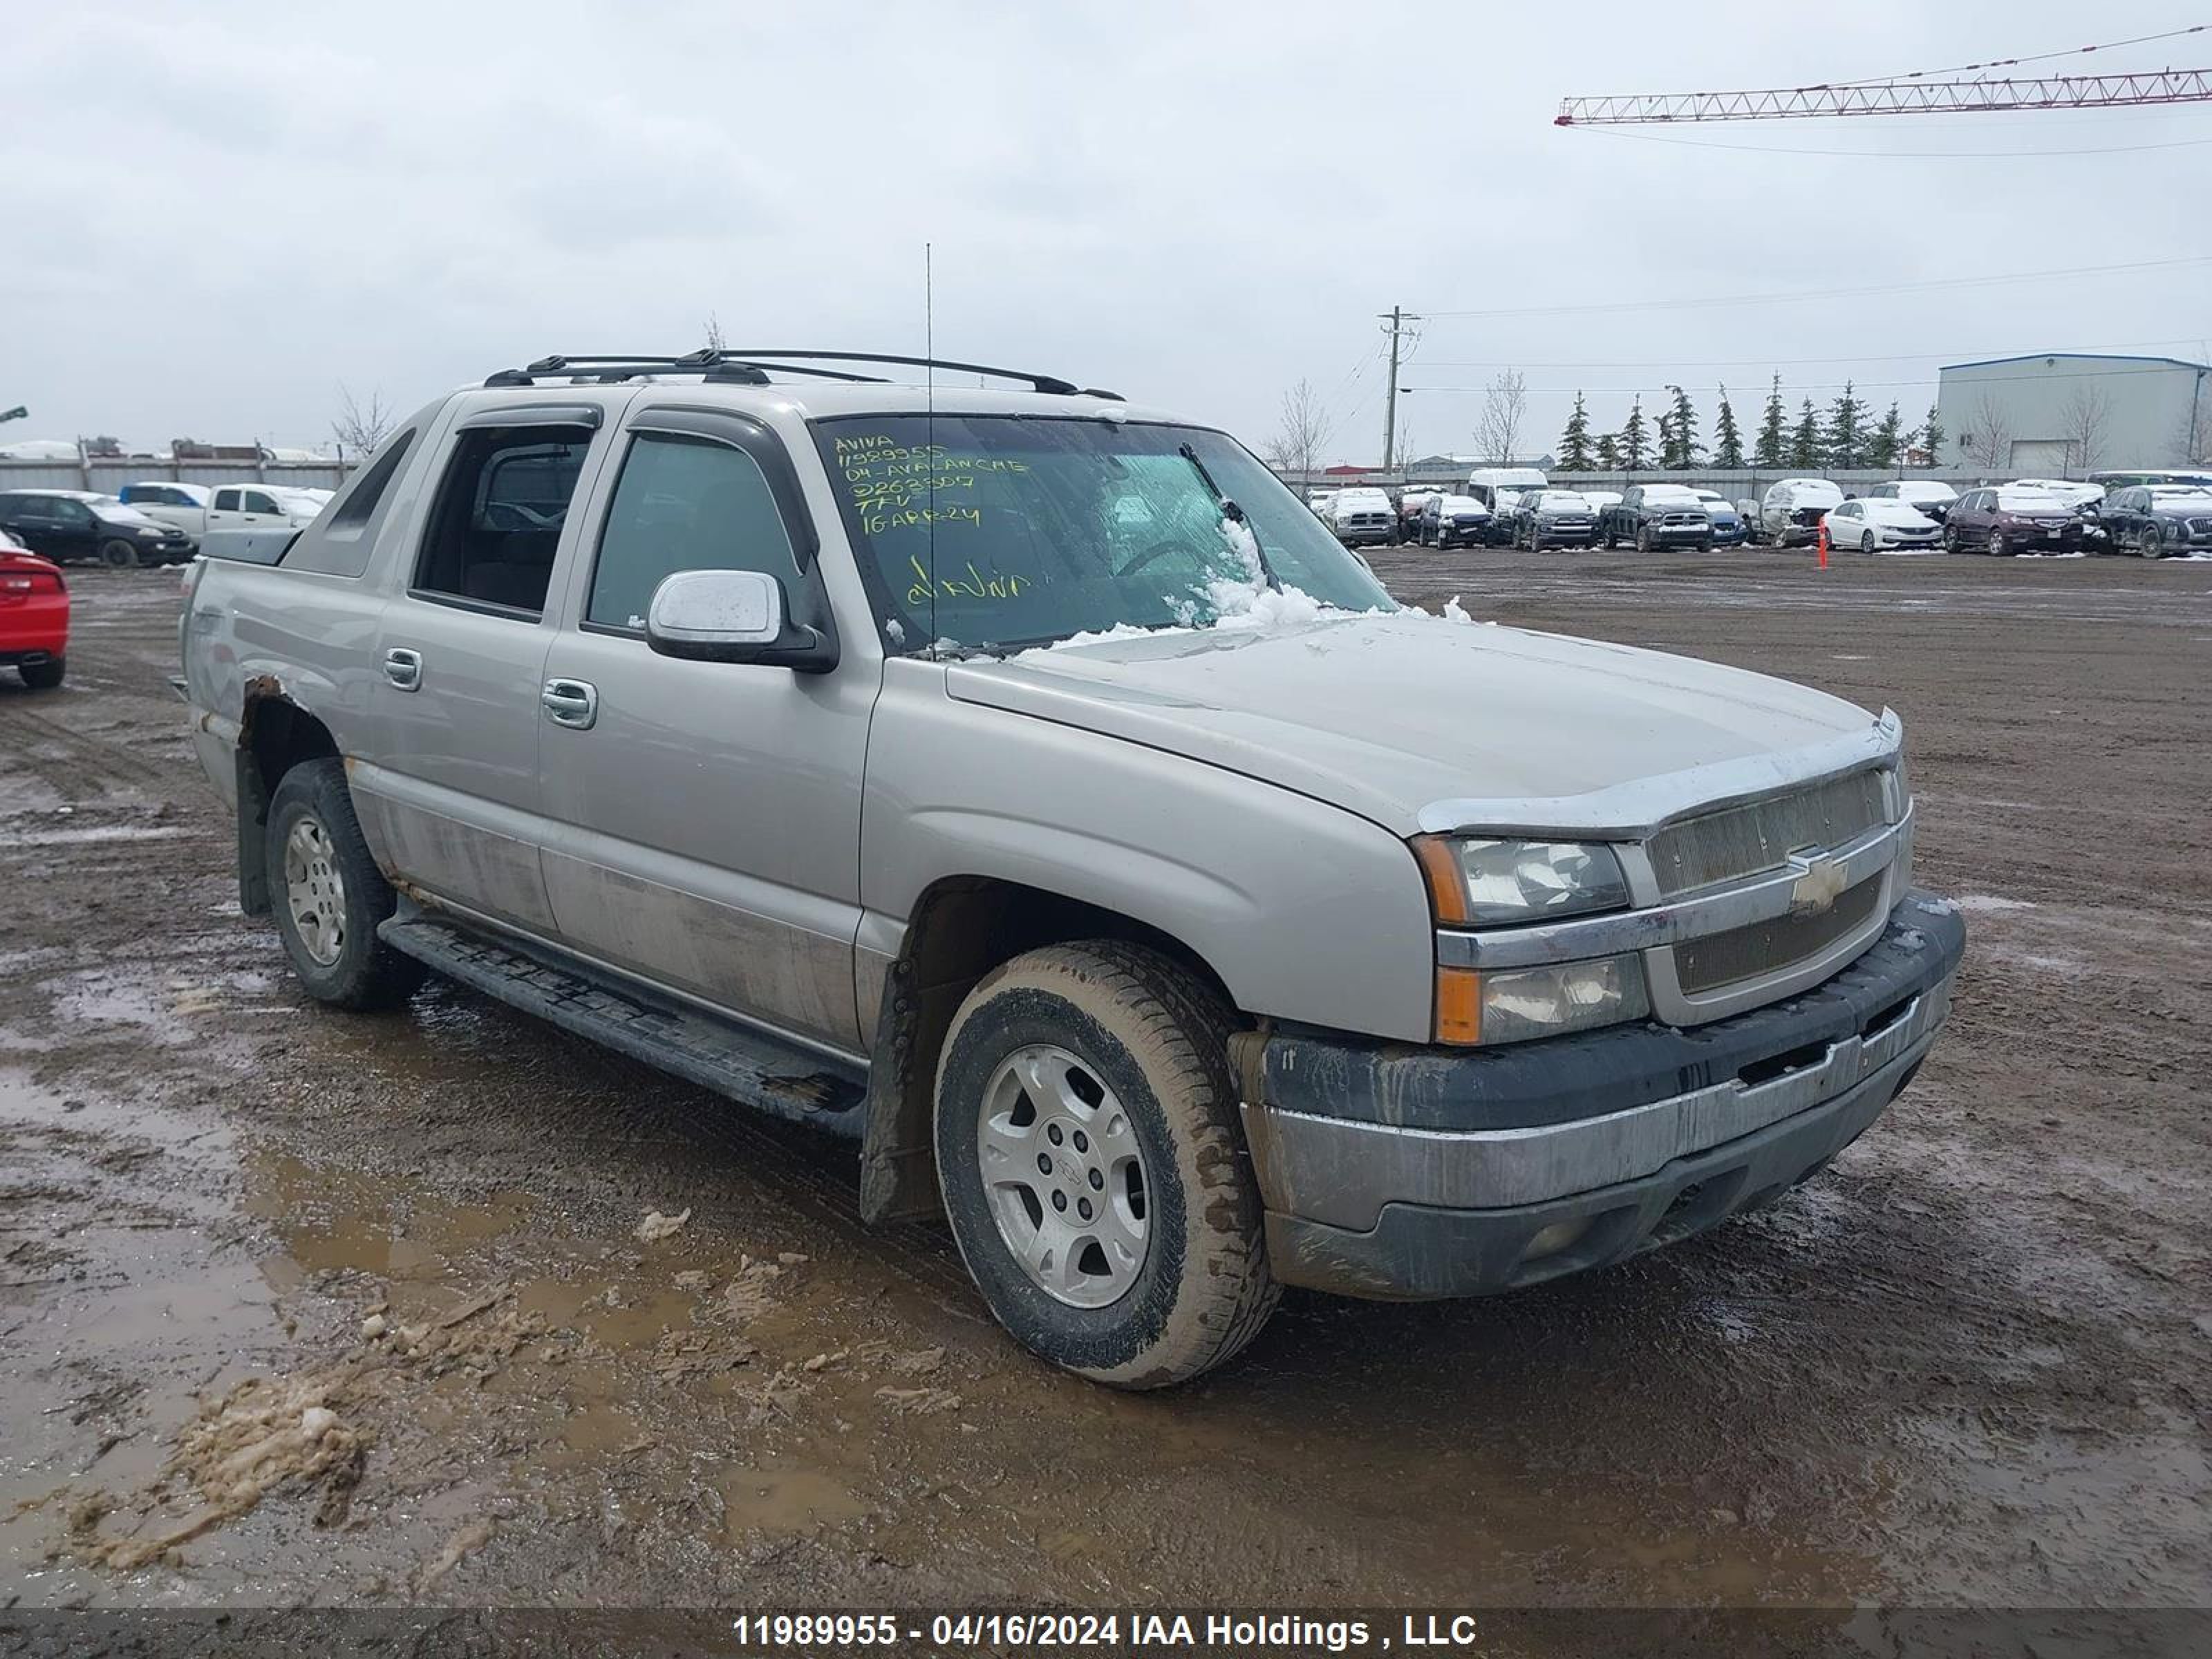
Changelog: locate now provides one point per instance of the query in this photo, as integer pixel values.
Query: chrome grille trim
(1760, 836)
(1717, 961)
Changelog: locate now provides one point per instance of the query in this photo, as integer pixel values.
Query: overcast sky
(219, 213)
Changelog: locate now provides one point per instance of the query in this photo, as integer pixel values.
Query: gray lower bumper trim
(1341, 1172)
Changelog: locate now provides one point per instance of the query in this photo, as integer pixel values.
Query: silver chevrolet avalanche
(1023, 784)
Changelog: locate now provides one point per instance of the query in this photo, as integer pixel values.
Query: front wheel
(1950, 540)
(1644, 539)
(1090, 1162)
(328, 894)
(2153, 543)
(1866, 543)
(118, 555)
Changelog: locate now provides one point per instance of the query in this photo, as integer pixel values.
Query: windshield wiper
(1233, 512)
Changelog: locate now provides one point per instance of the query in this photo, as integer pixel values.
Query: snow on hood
(1389, 715)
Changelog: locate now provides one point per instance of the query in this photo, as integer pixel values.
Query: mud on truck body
(1024, 785)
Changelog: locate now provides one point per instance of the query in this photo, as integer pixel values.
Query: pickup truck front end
(1746, 987)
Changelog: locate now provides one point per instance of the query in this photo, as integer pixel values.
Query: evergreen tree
(1773, 439)
(1663, 455)
(1609, 453)
(1574, 454)
(1846, 433)
(1634, 445)
(1805, 441)
(1885, 448)
(1930, 438)
(1728, 441)
(1682, 446)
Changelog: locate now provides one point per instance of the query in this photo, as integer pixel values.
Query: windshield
(1047, 528)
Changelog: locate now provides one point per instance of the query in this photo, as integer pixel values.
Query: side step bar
(749, 1066)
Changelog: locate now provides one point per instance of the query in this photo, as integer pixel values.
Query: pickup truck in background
(197, 510)
(1025, 786)
(1652, 516)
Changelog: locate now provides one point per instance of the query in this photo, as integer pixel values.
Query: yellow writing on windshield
(976, 585)
(882, 474)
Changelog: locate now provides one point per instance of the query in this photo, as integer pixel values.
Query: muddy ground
(1971, 1365)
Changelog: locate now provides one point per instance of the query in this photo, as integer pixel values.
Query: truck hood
(1422, 724)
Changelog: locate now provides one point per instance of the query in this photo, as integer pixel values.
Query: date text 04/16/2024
(1199, 1632)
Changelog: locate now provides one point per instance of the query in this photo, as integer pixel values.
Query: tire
(44, 676)
(1111, 1025)
(118, 555)
(328, 895)
(1866, 543)
(1997, 549)
(1950, 540)
(2153, 545)
(1644, 539)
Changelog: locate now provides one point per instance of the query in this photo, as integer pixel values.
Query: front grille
(1718, 960)
(1760, 834)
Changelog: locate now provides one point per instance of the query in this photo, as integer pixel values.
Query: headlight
(1487, 882)
(1523, 1003)
(153, 530)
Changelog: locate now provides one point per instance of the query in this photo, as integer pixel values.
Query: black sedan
(71, 525)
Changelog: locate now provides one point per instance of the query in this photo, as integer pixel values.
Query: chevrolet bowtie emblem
(1819, 882)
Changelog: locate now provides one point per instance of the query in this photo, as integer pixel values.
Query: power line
(2033, 58)
(1829, 293)
(1801, 386)
(1842, 357)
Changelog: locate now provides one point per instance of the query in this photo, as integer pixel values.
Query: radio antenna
(929, 428)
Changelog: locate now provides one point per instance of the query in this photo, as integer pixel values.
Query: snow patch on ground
(1991, 903)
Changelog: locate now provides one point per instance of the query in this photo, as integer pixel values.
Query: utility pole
(1395, 324)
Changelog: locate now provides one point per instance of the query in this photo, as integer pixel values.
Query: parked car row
(148, 524)
(1518, 507)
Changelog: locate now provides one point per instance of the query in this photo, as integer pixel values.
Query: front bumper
(1411, 1173)
(1675, 532)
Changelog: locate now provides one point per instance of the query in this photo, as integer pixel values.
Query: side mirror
(733, 615)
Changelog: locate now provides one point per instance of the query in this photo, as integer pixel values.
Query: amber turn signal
(1459, 1006)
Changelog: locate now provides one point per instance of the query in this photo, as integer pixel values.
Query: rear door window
(496, 525)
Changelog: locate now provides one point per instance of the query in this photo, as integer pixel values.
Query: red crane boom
(1909, 96)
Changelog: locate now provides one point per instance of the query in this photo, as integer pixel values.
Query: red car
(35, 610)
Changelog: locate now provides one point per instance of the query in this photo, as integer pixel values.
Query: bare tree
(1988, 437)
(1504, 410)
(360, 427)
(2192, 438)
(715, 342)
(1298, 442)
(2083, 423)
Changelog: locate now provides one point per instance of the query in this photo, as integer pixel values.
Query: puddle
(784, 1502)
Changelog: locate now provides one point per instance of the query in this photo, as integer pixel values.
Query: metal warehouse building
(2065, 413)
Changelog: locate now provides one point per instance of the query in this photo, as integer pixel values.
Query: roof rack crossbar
(1051, 382)
(747, 366)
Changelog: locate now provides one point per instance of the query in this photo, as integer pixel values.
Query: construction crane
(1922, 92)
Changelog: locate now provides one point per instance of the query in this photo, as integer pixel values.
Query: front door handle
(403, 668)
(574, 703)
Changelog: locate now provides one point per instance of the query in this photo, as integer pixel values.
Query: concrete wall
(107, 477)
(2032, 403)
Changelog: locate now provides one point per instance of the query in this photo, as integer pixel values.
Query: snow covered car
(2008, 519)
(1872, 526)
(1790, 512)
(2157, 519)
(1729, 527)
(68, 525)
(1930, 496)
(1147, 892)
(1362, 517)
(1554, 518)
(35, 616)
(1454, 522)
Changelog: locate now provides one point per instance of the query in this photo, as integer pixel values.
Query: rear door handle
(573, 703)
(403, 668)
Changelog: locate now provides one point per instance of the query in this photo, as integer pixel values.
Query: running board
(749, 1066)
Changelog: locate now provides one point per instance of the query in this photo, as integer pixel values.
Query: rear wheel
(330, 896)
(118, 555)
(1089, 1159)
(43, 676)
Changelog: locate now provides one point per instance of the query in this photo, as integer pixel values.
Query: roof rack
(753, 368)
